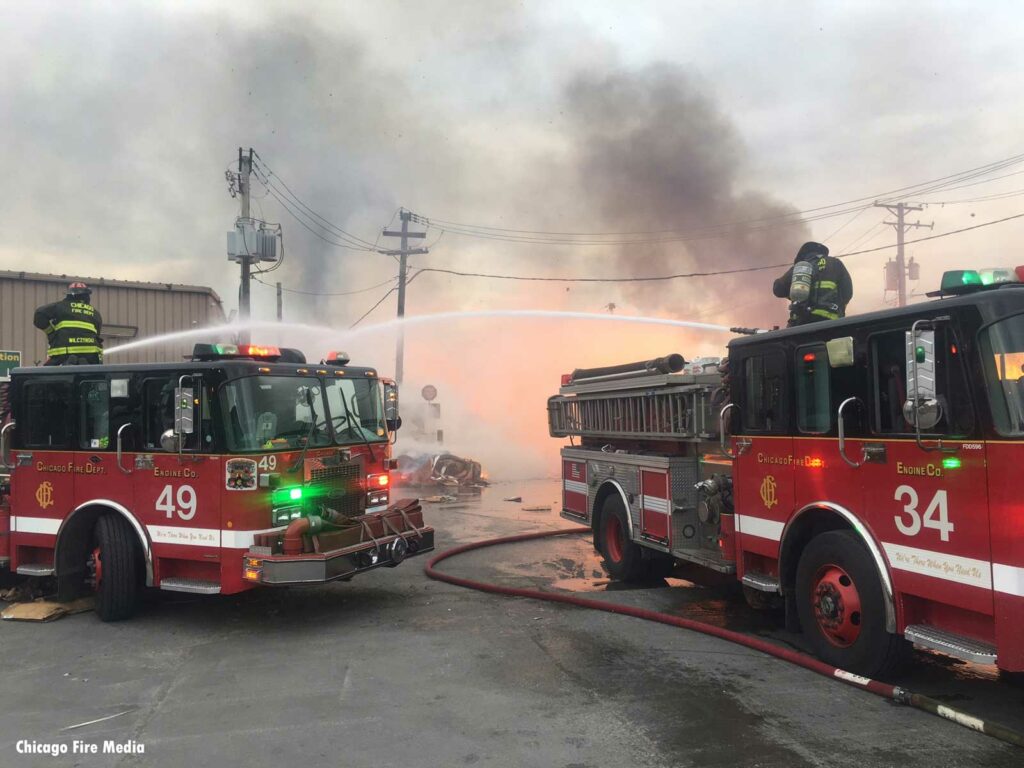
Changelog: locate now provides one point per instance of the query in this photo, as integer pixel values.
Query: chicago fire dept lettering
(70, 468)
(768, 495)
(44, 495)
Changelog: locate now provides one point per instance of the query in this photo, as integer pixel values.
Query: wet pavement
(393, 669)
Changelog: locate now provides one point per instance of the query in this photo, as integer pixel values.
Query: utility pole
(899, 210)
(244, 170)
(280, 304)
(403, 273)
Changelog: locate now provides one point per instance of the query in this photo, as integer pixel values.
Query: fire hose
(885, 690)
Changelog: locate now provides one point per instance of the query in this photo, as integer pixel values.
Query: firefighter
(72, 327)
(821, 289)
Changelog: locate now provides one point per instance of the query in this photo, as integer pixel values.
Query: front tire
(118, 569)
(841, 606)
(623, 559)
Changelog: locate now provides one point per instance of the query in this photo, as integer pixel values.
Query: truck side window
(48, 409)
(889, 384)
(94, 415)
(813, 401)
(764, 406)
(158, 412)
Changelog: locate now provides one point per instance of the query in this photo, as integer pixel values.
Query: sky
(119, 121)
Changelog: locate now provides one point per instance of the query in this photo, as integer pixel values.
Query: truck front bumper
(344, 563)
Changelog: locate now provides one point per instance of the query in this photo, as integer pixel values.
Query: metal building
(130, 311)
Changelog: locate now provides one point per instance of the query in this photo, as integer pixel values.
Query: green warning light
(295, 494)
(951, 462)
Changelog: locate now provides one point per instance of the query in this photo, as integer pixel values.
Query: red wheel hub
(836, 604)
(95, 567)
(613, 540)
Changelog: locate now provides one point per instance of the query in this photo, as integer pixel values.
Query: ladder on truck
(651, 406)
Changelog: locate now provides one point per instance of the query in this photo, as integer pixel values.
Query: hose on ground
(885, 690)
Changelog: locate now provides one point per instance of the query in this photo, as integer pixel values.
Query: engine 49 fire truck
(862, 470)
(242, 467)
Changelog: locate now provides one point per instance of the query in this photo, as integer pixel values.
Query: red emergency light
(337, 358)
(253, 350)
(566, 379)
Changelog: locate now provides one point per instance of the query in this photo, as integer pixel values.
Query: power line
(322, 293)
(367, 313)
(270, 178)
(737, 271)
(312, 231)
(944, 182)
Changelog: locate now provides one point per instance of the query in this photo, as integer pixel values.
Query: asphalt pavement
(393, 669)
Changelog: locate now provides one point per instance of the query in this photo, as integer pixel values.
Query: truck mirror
(920, 361)
(394, 421)
(183, 410)
(923, 414)
(169, 441)
(922, 409)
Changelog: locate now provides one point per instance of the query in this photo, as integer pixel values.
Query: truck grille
(344, 491)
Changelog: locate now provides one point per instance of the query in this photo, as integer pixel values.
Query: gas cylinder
(800, 286)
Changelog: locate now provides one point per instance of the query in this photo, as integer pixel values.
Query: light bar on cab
(960, 281)
(262, 352)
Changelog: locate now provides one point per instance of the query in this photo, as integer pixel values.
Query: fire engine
(244, 466)
(860, 471)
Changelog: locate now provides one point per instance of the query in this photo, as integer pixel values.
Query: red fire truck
(241, 467)
(860, 470)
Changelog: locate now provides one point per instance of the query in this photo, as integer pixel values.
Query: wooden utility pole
(403, 273)
(899, 210)
(244, 170)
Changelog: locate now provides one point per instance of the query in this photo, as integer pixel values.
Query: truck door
(96, 472)
(763, 485)
(177, 492)
(42, 480)
(929, 507)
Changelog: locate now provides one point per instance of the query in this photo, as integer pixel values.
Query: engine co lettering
(190, 473)
(928, 470)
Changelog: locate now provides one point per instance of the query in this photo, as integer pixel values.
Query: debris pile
(442, 470)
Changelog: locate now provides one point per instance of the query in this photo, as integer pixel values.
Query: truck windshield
(267, 413)
(356, 410)
(1002, 345)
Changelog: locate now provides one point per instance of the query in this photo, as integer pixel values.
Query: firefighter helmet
(79, 289)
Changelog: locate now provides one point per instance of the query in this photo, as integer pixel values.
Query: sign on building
(8, 361)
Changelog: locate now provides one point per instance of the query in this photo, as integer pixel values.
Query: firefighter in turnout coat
(830, 287)
(72, 327)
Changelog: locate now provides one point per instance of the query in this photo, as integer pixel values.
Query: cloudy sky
(119, 120)
(709, 124)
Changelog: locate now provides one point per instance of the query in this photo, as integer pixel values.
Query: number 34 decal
(909, 522)
(182, 503)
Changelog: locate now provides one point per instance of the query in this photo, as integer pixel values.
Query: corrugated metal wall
(152, 309)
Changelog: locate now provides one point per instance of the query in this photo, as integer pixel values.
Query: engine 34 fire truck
(242, 467)
(862, 470)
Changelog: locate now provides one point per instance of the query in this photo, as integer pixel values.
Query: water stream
(343, 335)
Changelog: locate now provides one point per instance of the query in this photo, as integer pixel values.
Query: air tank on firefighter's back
(668, 364)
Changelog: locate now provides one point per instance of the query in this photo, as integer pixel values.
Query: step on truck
(242, 467)
(864, 472)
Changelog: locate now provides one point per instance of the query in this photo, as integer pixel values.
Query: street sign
(8, 360)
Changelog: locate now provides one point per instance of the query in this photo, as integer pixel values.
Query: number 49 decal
(935, 516)
(182, 504)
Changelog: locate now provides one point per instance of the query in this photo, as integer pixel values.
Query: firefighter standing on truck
(817, 285)
(72, 327)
